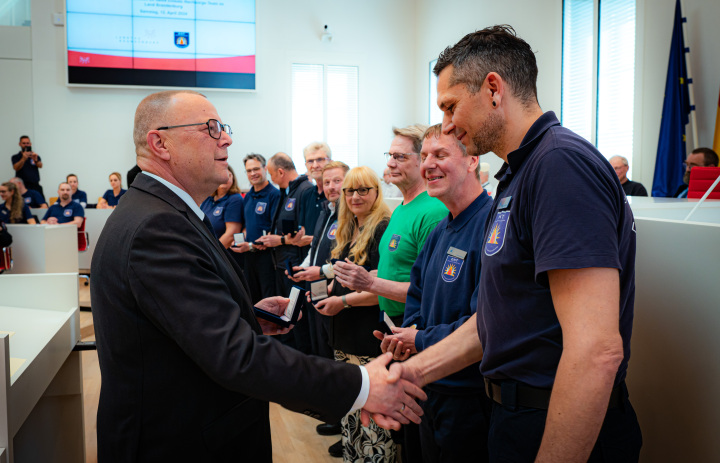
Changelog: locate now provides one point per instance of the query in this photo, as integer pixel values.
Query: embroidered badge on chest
(67, 213)
(260, 208)
(496, 239)
(217, 211)
(394, 242)
(333, 230)
(27, 200)
(451, 269)
(290, 204)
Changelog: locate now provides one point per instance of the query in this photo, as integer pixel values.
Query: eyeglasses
(214, 127)
(687, 165)
(317, 160)
(399, 157)
(362, 191)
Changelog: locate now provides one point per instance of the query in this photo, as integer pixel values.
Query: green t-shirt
(403, 240)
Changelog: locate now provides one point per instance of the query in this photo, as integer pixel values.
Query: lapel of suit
(152, 186)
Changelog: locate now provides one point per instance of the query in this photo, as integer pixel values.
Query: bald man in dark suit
(187, 372)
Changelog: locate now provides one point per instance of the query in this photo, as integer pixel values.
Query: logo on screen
(84, 60)
(182, 39)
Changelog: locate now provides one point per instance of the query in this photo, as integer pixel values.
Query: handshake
(393, 393)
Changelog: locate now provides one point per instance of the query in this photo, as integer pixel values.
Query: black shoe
(336, 450)
(327, 429)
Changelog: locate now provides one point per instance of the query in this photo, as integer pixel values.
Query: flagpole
(691, 91)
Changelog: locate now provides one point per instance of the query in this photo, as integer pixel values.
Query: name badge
(504, 203)
(455, 252)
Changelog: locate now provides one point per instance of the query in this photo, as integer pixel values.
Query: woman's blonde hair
(16, 204)
(347, 223)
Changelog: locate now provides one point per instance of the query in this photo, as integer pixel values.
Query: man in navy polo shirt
(32, 198)
(65, 210)
(27, 165)
(446, 274)
(260, 205)
(555, 309)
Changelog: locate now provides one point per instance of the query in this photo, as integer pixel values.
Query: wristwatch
(344, 301)
(282, 240)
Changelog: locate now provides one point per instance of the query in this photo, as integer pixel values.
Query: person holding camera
(27, 165)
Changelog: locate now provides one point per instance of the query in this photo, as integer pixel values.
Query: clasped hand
(401, 343)
(276, 305)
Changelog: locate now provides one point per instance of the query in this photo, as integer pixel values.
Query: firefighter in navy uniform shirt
(555, 311)
(445, 275)
(31, 198)
(224, 209)
(65, 210)
(260, 205)
(292, 188)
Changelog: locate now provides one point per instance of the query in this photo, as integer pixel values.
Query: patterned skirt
(360, 444)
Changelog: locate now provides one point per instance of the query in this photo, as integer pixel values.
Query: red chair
(702, 178)
(6, 261)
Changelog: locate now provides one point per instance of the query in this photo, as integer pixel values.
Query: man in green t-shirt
(411, 223)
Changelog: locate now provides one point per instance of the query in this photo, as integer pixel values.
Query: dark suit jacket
(186, 372)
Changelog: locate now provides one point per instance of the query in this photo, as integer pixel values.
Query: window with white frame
(325, 108)
(598, 74)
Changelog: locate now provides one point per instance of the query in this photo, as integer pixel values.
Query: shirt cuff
(364, 391)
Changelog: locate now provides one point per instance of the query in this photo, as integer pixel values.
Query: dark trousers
(319, 328)
(299, 337)
(260, 273)
(516, 433)
(454, 427)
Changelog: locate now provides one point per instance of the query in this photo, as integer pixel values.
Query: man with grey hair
(182, 355)
(317, 155)
(620, 164)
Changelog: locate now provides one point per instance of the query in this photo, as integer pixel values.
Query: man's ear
(495, 86)
(474, 161)
(156, 145)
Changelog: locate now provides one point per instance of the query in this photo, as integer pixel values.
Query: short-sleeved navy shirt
(260, 209)
(111, 199)
(229, 208)
(559, 205)
(5, 214)
(65, 214)
(444, 282)
(33, 198)
(80, 197)
(29, 172)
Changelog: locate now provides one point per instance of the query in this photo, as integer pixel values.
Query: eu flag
(676, 109)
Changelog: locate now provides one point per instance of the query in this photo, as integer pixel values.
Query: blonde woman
(14, 209)
(362, 219)
(112, 196)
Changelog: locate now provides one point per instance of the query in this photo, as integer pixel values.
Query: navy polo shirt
(313, 204)
(229, 208)
(260, 207)
(444, 282)
(559, 205)
(80, 197)
(111, 199)
(33, 198)
(29, 172)
(289, 208)
(5, 213)
(65, 214)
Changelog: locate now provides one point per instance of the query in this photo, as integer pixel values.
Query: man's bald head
(153, 112)
(282, 161)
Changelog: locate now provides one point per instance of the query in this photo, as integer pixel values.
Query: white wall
(88, 130)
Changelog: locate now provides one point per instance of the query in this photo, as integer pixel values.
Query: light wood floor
(294, 436)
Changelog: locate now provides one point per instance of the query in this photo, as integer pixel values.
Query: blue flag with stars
(675, 116)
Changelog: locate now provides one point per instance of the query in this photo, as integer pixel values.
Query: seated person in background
(225, 210)
(78, 196)
(390, 190)
(620, 164)
(700, 157)
(14, 209)
(111, 197)
(31, 197)
(65, 210)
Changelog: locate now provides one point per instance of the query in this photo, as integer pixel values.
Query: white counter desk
(41, 410)
(44, 248)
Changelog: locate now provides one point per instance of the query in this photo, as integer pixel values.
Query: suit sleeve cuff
(364, 391)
